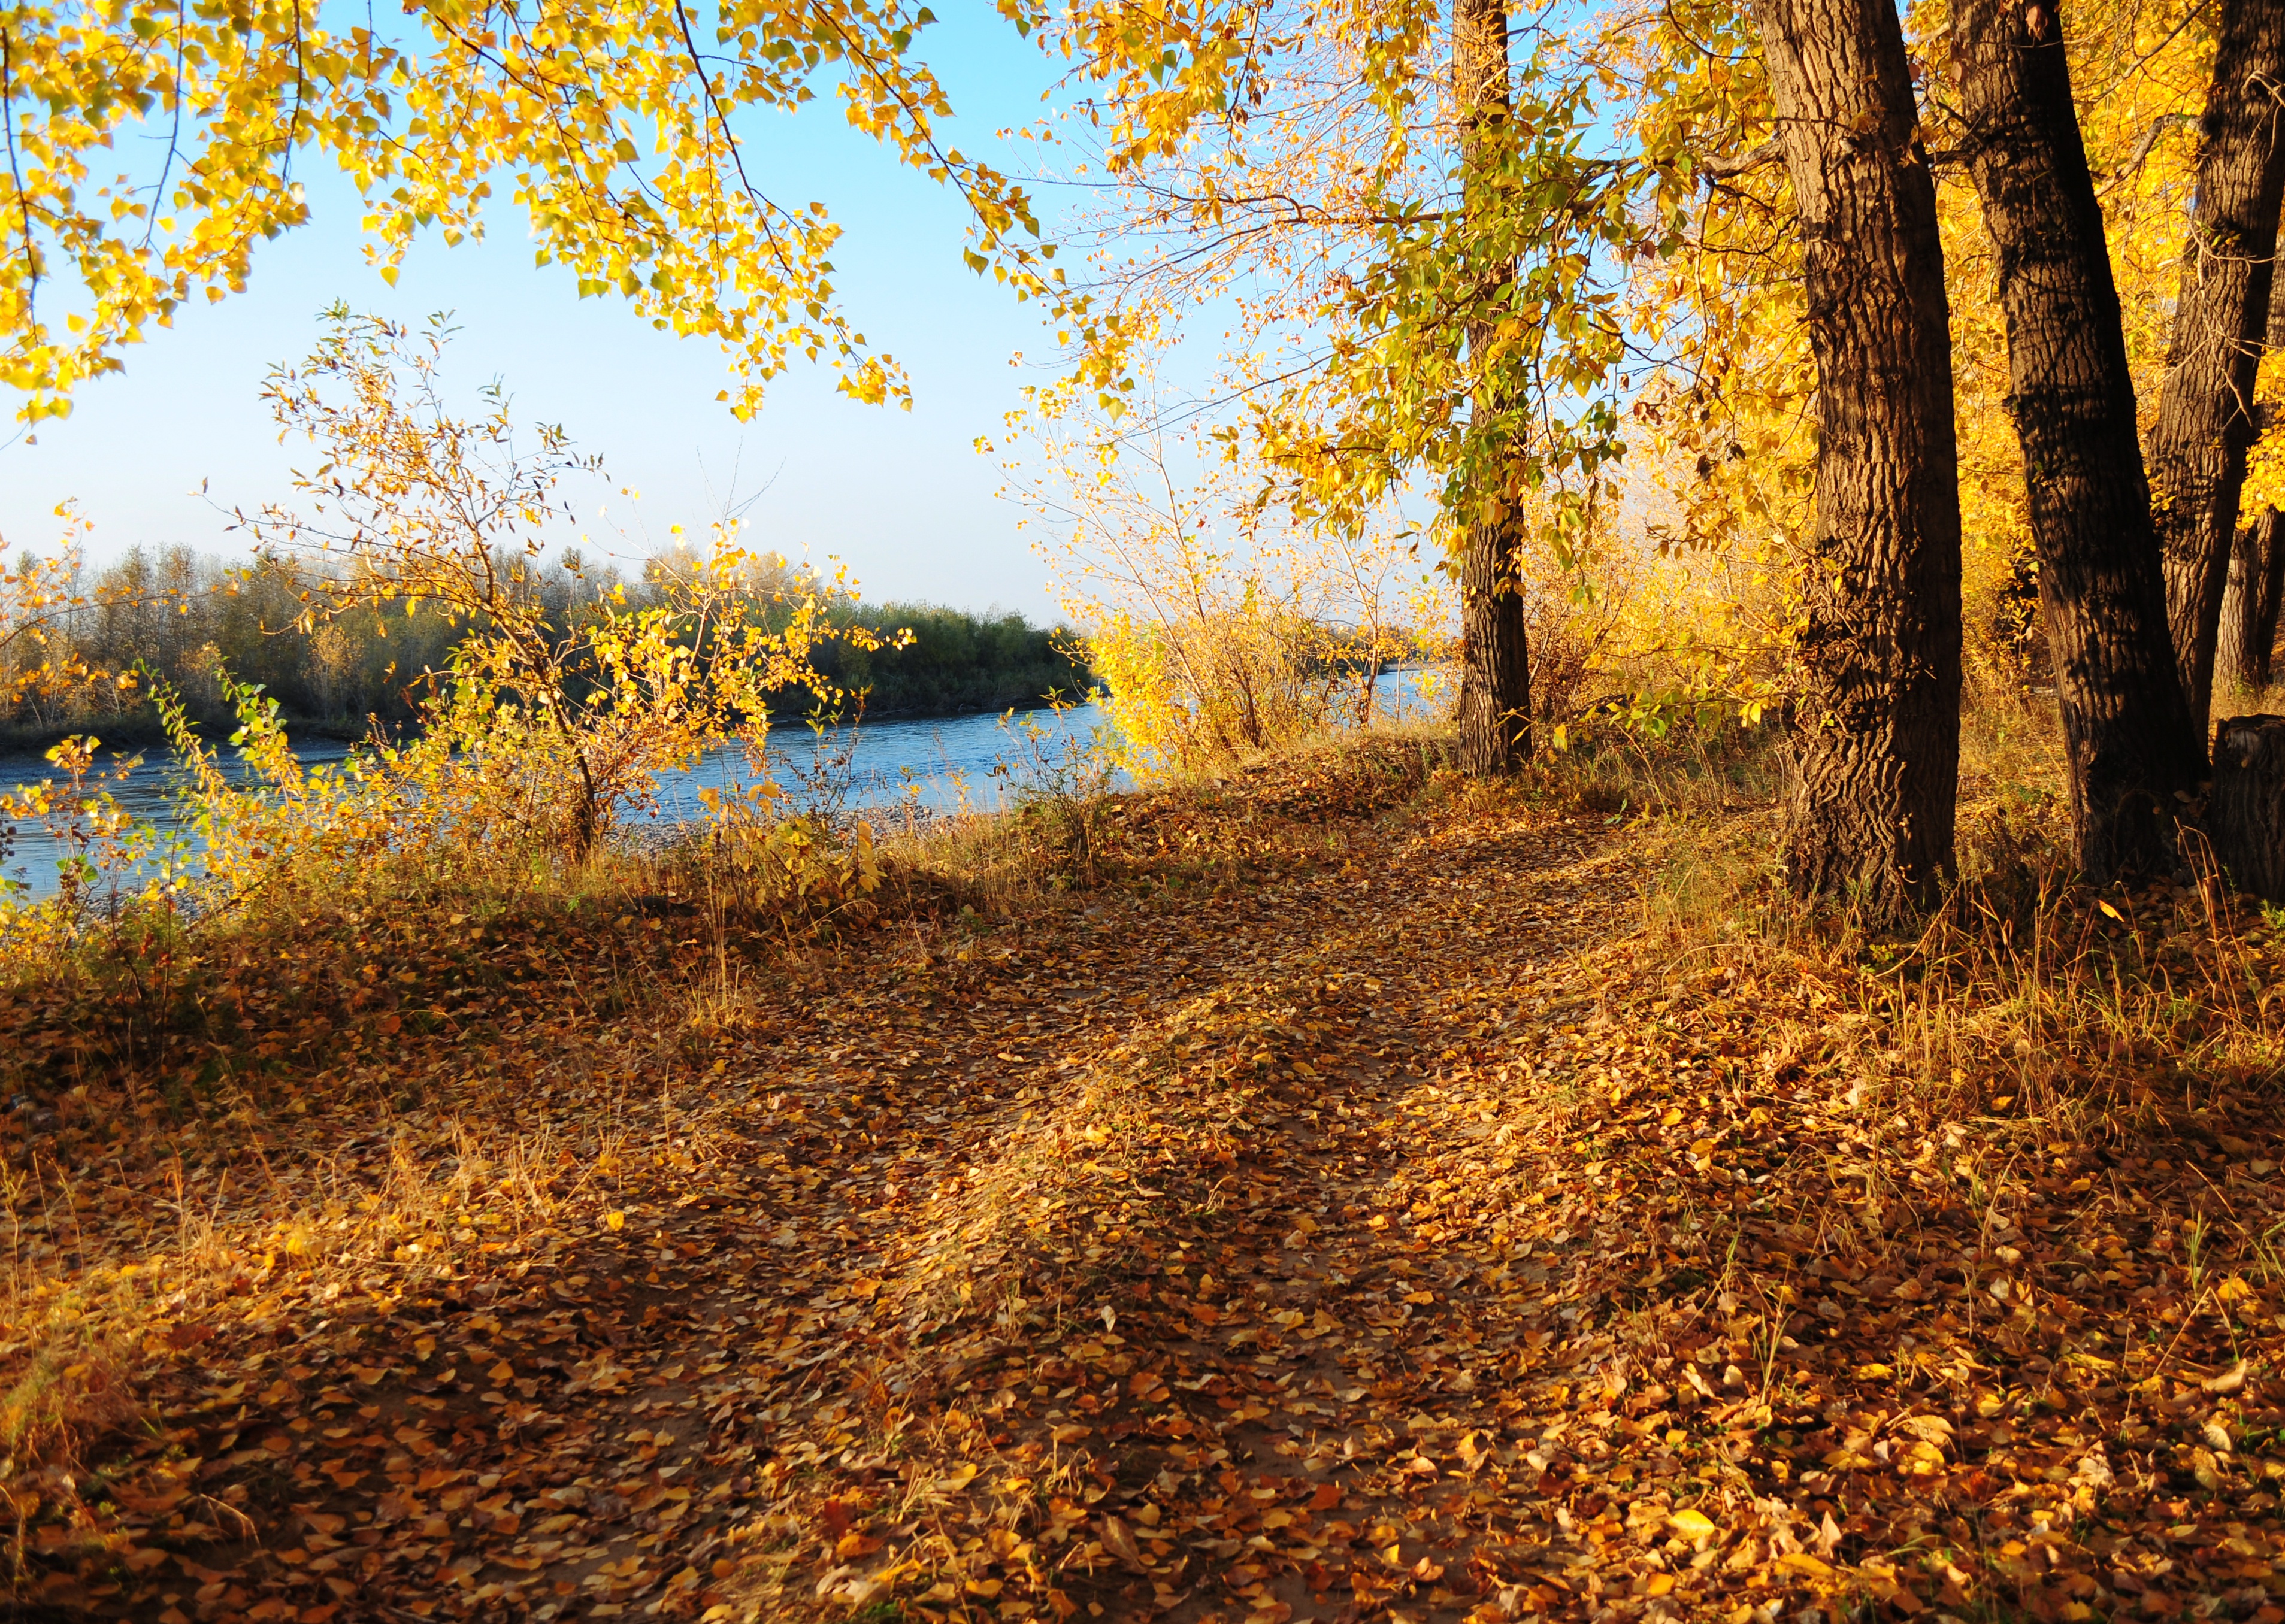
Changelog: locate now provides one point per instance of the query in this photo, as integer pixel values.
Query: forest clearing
(1377, 1196)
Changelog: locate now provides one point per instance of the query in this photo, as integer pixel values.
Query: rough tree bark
(2245, 813)
(2198, 445)
(2257, 590)
(1876, 756)
(2133, 754)
(1495, 708)
(2256, 563)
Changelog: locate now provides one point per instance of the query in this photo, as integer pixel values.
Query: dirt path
(1341, 1213)
(1138, 1226)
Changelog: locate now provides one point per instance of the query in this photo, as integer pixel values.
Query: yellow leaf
(615, 1220)
(1692, 1524)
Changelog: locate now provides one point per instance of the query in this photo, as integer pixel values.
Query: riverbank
(190, 621)
(897, 770)
(1339, 1192)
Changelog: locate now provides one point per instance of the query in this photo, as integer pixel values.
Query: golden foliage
(617, 131)
(1655, 276)
(1216, 630)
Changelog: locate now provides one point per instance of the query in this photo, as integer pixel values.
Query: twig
(16, 171)
(2140, 155)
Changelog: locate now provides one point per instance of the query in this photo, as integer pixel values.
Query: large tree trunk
(1494, 708)
(1877, 742)
(2133, 753)
(2197, 447)
(2256, 563)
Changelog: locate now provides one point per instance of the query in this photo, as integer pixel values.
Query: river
(936, 764)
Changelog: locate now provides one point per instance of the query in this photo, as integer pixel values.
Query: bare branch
(1730, 169)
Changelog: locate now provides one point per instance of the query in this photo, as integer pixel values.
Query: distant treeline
(190, 619)
(955, 661)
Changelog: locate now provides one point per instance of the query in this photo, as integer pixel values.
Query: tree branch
(2140, 155)
(1730, 169)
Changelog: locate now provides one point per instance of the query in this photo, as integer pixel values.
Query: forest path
(1346, 1209)
(1164, 1256)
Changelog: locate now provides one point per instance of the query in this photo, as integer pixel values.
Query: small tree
(594, 694)
(1218, 630)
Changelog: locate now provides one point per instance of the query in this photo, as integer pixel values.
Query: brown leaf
(1120, 1543)
(2228, 1381)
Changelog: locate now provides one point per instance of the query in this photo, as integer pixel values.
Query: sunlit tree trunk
(2198, 445)
(2133, 753)
(2256, 563)
(1495, 708)
(1870, 809)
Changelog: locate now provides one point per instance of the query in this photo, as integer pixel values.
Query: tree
(45, 603)
(2134, 757)
(2257, 561)
(2205, 421)
(418, 507)
(619, 131)
(1495, 702)
(1423, 246)
(1871, 805)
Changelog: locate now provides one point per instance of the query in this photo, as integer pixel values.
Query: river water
(927, 764)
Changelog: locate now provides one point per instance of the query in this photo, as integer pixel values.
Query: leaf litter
(1348, 1209)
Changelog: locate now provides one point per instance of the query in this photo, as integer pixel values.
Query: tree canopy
(152, 146)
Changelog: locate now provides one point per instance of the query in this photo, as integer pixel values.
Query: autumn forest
(1624, 960)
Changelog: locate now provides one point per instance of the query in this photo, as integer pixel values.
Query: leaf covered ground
(1353, 1206)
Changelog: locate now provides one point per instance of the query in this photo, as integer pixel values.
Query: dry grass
(198, 1166)
(101, 1280)
(291, 1154)
(2056, 1001)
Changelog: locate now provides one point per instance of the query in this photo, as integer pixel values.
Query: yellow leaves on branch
(2265, 464)
(617, 129)
(561, 713)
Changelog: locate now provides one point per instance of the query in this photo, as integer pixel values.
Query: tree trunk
(1870, 809)
(2247, 635)
(1495, 708)
(2197, 447)
(2246, 810)
(2133, 754)
(2256, 563)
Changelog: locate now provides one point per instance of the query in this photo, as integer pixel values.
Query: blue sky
(902, 498)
